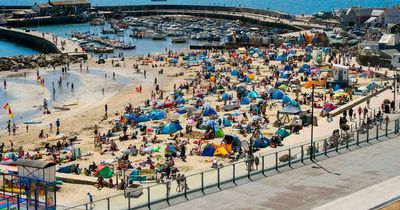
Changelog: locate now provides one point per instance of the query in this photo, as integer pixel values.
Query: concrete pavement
(317, 184)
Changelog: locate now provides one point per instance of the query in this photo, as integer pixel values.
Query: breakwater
(24, 37)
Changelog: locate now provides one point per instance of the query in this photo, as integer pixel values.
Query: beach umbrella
(104, 171)
(286, 99)
(245, 101)
(225, 96)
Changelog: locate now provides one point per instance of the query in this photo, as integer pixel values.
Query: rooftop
(69, 2)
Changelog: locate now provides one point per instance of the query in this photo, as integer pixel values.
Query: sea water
(10, 49)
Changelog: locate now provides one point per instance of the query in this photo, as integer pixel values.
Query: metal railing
(175, 191)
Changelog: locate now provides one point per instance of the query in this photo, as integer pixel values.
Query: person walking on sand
(72, 87)
(9, 127)
(58, 123)
(144, 73)
(155, 81)
(14, 129)
(91, 202)
(105, 109)
(5, 85)
(87, 68)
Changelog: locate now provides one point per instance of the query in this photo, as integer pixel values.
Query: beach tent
(246, 79)
(67, 169)
(277, 95)
(290, 110)
(208, 151)
(226, 122)
(104, 171)
(181, 110)
(372, 86)
(171, 128)
(280, 57)
(209, 111)
(219, 133)
(142, 118)
(282, 132)
(231, 139)
(285, 74)
(225, 96)
(157, 115)
(261, 142)
(221, 152)
(253, 94)
(235, 72)
(286, 99)
(245, 101)
(179, 100)
(336, 87)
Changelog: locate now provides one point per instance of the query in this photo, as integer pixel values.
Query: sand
(89, 112)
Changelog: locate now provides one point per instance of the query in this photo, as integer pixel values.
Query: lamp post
(312, 124)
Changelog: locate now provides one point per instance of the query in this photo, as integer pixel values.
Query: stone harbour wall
(35, 61)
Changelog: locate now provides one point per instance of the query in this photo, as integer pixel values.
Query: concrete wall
(193, 7)
(32, 41)
(235, 16)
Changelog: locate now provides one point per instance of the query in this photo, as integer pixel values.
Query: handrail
(324, 150)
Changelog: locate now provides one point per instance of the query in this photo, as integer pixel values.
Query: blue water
(143, 46)
(10, 49)
(289, 6)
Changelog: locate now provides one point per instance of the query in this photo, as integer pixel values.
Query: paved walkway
(318, 184)
(68, 47)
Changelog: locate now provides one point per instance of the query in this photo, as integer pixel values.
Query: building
(43, 9)
(357, 16)
(57, 8)
(392, 15)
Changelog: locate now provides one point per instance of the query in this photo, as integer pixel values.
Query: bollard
(290, 158)
(262, 166)
(386, 129)
(202, 183)
(148, 197)
(233, 173)
(276, 160)
(358, 137)
(218, 178)
(325, 147)
(108, 203)
(377, 132)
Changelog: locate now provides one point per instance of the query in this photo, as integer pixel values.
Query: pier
(43, 42)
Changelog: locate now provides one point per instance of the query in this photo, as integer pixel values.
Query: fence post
(86, 206)
(358, 137)
(314, 150)
(148, 197)
(129, 202)
(233, 173)
(367, 134)
(302, 154)
(377, 132)
(185, 187)
(202, 182)
(347, 142)
(325, 147)
(36, 200)
(262, 166)
(276, 160)
(386, 129)
(218, 178)
(108, 203)
(290, 158)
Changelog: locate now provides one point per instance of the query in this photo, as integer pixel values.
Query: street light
(312, 124)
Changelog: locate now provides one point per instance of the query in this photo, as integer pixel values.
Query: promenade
(335, 183)
(58, 44)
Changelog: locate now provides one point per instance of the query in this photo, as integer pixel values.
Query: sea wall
(26, 39)
(42, 21)
(236, 16)
(35, 61)
(194, 7)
